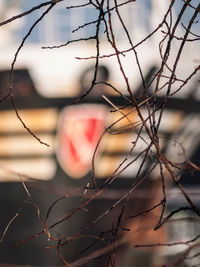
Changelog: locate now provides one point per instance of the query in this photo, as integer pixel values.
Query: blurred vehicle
(46, 81)
(57, 73)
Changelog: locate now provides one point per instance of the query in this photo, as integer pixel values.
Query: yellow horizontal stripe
(40, 169)
(35, 119)
(26, 145)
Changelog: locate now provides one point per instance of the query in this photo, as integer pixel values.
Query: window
(188, 15)
(58, 25)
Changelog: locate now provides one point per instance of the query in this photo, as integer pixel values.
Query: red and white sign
(79, 130)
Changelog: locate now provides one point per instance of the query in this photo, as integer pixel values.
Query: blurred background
(45, 83)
